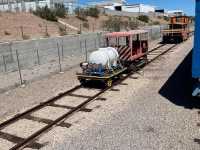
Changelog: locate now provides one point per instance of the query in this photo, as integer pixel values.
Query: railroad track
(30, 141)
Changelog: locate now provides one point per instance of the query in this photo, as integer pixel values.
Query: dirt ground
(148, 111)
(13, 24)
(38, 90)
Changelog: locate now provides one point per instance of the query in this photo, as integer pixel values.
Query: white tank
(104, 56)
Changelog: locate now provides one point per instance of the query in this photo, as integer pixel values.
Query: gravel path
(148, 112)
(141, 116)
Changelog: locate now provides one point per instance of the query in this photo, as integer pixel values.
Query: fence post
(160, 31)
(86, 50)
(151, 34)
(80, 28)
(4, 62)
(81, 45)
(95, 43)
(99, 40)
(11, 52)
(38, 56)
(93, 27)
(19, 69)
(22, 32)
(62, 49)
(59, 59)
(46, 31)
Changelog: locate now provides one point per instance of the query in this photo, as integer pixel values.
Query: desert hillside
(18, 26)
(22, 26)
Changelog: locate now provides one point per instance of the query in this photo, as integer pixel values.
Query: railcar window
(134, 38)
(176, 26)
(123, 41)
(112, 41)
(144, 36)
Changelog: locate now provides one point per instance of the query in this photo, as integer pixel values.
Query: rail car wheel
(82, 81)
(120, 76)
(145, 59)
(109, 83)
(132, 67)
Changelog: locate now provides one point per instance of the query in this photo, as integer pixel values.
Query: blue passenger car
(196, 52)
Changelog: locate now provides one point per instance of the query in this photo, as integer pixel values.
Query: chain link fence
(25, 61)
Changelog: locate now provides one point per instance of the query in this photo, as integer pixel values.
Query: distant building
(26, 5)
(113, 6)
(160, 11)
(135, 8)
(138, 8)
(175, 13)
(71, 5)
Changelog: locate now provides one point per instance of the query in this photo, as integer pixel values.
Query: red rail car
(178, 30)
(132, 46)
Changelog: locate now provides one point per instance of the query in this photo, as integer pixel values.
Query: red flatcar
(124, 50)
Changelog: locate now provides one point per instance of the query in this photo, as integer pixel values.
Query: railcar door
(144, 43)
(135, 46)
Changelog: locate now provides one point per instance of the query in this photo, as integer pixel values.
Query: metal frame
(106, 77)
(130, 34)
(177, 34)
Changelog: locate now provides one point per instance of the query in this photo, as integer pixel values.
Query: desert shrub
(86, 25)
(40, 25)
(116, 24)
(156, 23)
(60, 10)
(133, 24)
(45, 13)
(7, 33)
(81, 13)
(62, 30)
(93, 12)
(160, 17)
(112, 24)
(51, 14)
(166, 18)
(143, 18)
(124, 24)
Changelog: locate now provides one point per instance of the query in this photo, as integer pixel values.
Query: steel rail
(51, 100)
(38, 107)
(36, 135)
(45, 129)
(164, 52)
(162, 45)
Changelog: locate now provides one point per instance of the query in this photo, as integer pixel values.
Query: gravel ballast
(141, 115)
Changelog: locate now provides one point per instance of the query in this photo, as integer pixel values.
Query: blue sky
(186, 5)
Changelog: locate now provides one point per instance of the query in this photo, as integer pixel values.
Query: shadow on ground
(178, 88)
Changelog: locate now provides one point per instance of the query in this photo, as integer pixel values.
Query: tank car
(122, 51)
